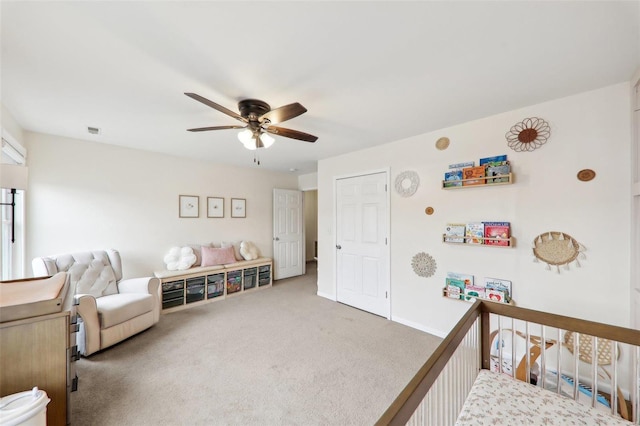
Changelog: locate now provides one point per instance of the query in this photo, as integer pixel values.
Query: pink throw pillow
(212, 256)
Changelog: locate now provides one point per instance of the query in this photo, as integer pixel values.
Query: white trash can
(28, 408)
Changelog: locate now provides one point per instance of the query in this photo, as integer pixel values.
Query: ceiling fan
(259, 120)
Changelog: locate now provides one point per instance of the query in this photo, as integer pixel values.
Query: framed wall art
(189, 206)
(215, 207)
(238, 207)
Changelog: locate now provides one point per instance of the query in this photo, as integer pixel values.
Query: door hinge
(385, 187)
(385, 241)
(386, 294)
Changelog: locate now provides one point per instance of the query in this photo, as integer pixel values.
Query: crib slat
(559, 366)
(576, 359)
(527, 369)
(614, 378)
(543, 357)
(594, 370)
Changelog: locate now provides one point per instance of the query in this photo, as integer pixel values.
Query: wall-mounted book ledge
(506, 179)
(479, 241)
(470, 299)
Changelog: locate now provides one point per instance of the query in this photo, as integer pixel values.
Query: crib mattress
(497, 399)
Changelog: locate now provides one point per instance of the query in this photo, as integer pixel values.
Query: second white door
(362, 243)
(288, 234)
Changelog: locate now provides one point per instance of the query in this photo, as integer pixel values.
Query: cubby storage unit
(215, 285)
(195, 286)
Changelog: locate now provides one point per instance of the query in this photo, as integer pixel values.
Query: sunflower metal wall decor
(423, 265)
(528, 135)
(407, 183)
(556, 249)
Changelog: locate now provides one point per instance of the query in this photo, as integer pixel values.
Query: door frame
(387, 171)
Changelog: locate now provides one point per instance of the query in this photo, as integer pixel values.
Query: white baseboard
(326, 296)
(419, 327)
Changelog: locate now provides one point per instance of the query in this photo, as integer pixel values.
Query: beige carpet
(274, 356)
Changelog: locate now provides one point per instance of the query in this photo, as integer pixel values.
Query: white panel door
(362, 259)
(288, 233)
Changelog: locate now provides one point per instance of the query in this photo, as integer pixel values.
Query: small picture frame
(189, 206)
(238, 207)
(215, 207)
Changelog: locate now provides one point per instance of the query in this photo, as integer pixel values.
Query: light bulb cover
(267, 140)
(245, 136)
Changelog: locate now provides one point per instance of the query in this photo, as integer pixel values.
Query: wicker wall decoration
(528, 135)
(585, 175)
(407, 183)
(423, 265)
(556, 249)
(442, 143)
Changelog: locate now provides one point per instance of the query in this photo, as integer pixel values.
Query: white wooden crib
(507, 365)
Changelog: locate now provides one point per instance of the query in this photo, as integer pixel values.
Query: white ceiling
(368, 72)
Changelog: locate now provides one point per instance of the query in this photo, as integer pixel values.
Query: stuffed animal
(179, 259)
(249, 251)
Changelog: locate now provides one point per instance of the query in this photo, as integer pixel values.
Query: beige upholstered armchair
(111, 309)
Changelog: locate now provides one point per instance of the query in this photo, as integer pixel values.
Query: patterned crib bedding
(497, 399)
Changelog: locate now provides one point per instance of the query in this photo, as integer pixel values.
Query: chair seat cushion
(118, 308)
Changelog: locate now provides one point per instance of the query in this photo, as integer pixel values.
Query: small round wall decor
(407, 183)
(423, 265)
(442, 143)
(528, 135)
(556, 249)
(585, 175)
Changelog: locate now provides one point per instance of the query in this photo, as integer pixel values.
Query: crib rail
(531, 346)
(437, 392)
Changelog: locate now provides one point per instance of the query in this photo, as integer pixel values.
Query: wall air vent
(93, 130)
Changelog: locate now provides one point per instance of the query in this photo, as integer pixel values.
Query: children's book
(471, 173)
(495, 159)
(462, 165)
(465, 278)
(455, 288)
(496, 296)
(453, 178)
(475, 233)
(499, 285)
(471, 293)
(454, 233)
(498, 231)
(497, 170)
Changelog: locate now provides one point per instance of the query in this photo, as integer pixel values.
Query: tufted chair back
(91, 272)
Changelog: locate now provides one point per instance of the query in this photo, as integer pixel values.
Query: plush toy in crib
(180, 258)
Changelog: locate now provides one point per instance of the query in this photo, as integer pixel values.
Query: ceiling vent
(93, 130)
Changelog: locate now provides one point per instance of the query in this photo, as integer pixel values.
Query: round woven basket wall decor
(442, 143)
(585, 175)
(528, 135)
(423, 265)
(407, 183)
(556, 249)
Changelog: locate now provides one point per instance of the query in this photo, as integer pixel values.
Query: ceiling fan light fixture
(246, 137)
(267, 139)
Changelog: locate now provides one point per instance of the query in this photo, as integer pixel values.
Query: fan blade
(284, 113)
(214, 105)
(293, 134)
(204, 129)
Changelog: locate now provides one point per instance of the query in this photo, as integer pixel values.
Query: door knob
(338, 246)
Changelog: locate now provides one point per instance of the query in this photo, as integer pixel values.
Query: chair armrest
(88, 311)
(149, 285)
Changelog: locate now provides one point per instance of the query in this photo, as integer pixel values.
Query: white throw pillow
(179, 258)
(249, 251)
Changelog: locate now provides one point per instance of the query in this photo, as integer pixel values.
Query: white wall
(589, 130)
(84, 195)
(308, 182)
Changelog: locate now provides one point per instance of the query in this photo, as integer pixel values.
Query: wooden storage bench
(204, 284)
